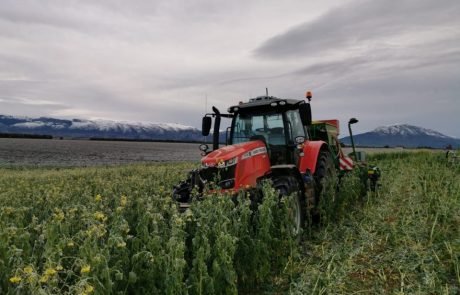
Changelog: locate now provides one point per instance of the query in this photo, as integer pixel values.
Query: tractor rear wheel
(288, 186)
(325, 182)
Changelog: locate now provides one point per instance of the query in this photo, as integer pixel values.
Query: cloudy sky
(381, 61)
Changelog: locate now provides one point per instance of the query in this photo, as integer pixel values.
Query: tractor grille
(217, 175)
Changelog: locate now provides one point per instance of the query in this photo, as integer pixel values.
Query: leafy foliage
(116, 230)
(403, 239)
(111, 230)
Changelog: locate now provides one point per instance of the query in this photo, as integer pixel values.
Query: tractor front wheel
(288, 186)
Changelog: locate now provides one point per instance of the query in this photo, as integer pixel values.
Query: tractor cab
(281, 124)
(276, 122)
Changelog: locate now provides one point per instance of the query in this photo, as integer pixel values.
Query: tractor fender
(311, 150)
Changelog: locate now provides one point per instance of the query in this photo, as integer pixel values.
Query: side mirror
(206, 126)
(203, 147)
(305, 114)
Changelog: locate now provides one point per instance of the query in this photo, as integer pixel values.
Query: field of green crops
(115, 230)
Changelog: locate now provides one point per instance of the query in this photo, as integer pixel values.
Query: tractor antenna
(205, 109)
(266, 91)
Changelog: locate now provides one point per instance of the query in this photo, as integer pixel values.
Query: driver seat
(276, 136)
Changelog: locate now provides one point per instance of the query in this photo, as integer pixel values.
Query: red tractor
(270, 138)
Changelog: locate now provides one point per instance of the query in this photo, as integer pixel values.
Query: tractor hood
(221, 156)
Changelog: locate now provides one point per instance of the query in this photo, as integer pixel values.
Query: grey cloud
(23, 67)
(114, 17)
(244, 79)
(336, 67)
(31, 102)
(55, 19)
(385, 64)
(157, 60)
(44, 13)
(360, 21)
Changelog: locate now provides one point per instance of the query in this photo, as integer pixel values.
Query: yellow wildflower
(28, 269)
(44, 279)
(31, 279)
(98, 198)
(188, 215)
(100, 216)
(59, 268)
(88, 289)
(15, 280)
(85, 269)
(123, 201)
(97, 230)
(12, 230)
(178, 221)
(70, 244)
(58, 215)
(50, 272)
(121, 244)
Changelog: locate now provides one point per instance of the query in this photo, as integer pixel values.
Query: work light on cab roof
(308, 95)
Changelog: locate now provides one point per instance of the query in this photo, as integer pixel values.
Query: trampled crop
(403, 240)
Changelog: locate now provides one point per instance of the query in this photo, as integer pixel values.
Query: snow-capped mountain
(403, 135)
(77, 128)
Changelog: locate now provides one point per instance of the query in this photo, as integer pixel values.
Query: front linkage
(183, 192)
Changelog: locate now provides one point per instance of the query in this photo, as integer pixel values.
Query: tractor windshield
(271, 126)
(277, 129)
(268, 126)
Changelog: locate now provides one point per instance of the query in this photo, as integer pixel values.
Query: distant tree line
(19, 135)
(142, 140)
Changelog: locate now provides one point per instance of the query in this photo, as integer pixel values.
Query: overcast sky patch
(166, 61)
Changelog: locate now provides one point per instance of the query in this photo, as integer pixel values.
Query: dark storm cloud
(385, 64)
(383, 61)
(360, 21)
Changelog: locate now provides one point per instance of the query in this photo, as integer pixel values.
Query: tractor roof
(265, 103)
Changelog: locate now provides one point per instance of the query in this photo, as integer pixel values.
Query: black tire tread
(287, 185)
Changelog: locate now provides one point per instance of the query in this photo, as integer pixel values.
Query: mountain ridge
(395, 135)
(403, 135)
(82, 128)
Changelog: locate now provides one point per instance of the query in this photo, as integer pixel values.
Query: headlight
(228, 163)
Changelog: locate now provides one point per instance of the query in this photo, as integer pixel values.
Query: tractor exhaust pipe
(352, 121)
(216, 133)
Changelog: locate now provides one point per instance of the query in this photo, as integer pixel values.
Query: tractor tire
(326, 182)
(288, 186)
